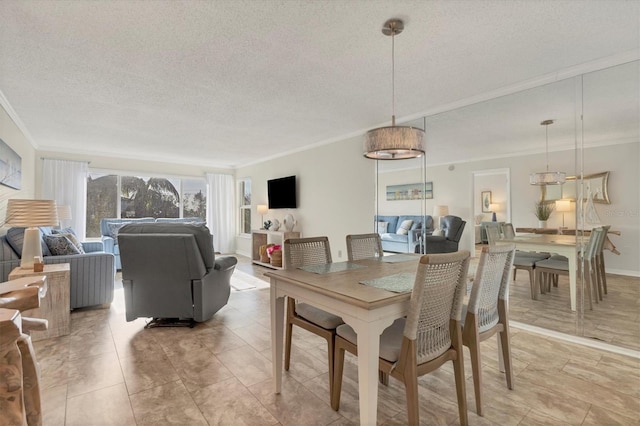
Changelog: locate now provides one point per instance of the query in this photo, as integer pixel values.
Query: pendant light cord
(546, 134)
(393, 75)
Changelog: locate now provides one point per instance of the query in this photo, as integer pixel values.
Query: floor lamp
(31, 214)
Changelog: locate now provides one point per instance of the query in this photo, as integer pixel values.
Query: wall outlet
(339, 254)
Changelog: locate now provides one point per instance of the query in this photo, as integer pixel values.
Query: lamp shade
(262, 209)
(394, 143)
(64, 212)
(563, 206)
(27, 213)
(494, 207)
(440, 210)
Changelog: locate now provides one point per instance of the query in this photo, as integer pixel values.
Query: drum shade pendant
(547, 178)
(394, 142)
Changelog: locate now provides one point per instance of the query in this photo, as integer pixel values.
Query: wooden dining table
(339, 290)
(565, 245)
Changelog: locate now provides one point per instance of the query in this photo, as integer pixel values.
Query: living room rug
(241, 281)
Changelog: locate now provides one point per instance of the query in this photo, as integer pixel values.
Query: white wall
(337, 185)
(13, 136)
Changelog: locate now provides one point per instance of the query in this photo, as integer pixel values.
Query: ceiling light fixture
(547, 178)
(394, 142)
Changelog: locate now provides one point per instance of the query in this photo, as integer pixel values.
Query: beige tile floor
(110, 372)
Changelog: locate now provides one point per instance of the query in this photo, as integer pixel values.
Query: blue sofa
(92, 274)
(110, 232)
(394, 242)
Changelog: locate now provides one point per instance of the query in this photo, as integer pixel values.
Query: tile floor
(110, 372)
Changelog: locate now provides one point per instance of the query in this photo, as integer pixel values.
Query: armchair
(452, 227)
(169, 272)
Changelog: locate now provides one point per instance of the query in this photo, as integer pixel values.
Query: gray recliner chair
(452, 227)
(170, 273)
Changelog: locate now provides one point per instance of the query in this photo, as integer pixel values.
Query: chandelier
(394, 142)
(547, 178)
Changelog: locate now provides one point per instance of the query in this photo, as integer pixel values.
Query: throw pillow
(382, 227)
(114, 228)
(404, 227)
(76, 242)
(60, 245)
(64, 231)
(15, 238)
(439, 232)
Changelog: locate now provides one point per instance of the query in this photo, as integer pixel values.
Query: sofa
(109, 228)
(170, 273)
(389, 227)
(451, 228)
(92, 274)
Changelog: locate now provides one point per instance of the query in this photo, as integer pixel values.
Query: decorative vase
(289, 222)
(275, 225)
(542, 224)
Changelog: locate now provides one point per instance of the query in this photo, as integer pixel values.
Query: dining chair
(487, 313)
(426, 339)
(299, 252)
(364, 246)
(600, 268)
(525, 260)
(554, 266)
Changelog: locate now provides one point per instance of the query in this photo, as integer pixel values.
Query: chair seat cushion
(558, 257)
(390, 340)
(553, 264)
(524, 261)
(318, 316)
(532, 255)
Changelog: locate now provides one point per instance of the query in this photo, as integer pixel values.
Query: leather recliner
(169, 270)
(452, 227)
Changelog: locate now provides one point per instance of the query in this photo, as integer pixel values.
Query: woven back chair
(487, 313)
(554, 266)
(428, 337)
(524, 259)
(493, 234)
(300, 252)
(364, 246)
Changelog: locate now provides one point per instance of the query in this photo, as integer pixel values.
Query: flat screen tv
(282, 193)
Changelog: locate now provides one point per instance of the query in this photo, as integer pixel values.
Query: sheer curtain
(221, 212)
(65, 182)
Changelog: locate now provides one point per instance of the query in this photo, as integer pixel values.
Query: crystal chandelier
(547, 178)
(394, 142)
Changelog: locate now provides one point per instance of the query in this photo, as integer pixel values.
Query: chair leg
(287, 346)
(603, 272)
(383, 378)
(505, 343)
(338, 367)
(458, 370)
(536, 285)
(410, 378)
(476, 368)
(588, 284)
(331, 357)
(532, 284)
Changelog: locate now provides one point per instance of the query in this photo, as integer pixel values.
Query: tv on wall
(282, 193)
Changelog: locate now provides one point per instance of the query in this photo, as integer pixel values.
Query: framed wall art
(10, 167)
(485, 199)
(410, 191)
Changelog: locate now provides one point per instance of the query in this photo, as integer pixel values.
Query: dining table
(369, 294)
(564, 245)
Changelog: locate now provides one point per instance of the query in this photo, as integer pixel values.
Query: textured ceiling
(228, 83)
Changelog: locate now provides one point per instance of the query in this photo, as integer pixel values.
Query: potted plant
(543, 211)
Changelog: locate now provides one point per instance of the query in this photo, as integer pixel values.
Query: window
(245, 206)
(142, 197)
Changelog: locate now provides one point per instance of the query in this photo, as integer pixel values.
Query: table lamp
(31, 214)
(439, 211)
(493, 207)
(64, 213)
(262, 210)
(563, 206)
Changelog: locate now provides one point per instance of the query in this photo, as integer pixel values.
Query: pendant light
(394, 142)
(547, 178)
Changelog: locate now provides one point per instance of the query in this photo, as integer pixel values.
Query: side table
(55, 306)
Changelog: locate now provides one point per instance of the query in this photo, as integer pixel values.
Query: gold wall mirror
(597, 183)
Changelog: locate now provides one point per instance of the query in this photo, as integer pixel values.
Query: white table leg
(573, 265)
(277, 333)
(368, 352)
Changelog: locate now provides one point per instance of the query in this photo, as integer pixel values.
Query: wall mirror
(596, 183)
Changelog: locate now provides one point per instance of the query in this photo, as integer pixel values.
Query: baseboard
(624, 272)
(596, 344)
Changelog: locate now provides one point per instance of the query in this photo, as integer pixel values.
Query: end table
(55, 306)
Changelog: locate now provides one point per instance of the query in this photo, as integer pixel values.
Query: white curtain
(221, 212)
(65, 182)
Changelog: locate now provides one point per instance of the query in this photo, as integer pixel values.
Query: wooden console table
(55, 306)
